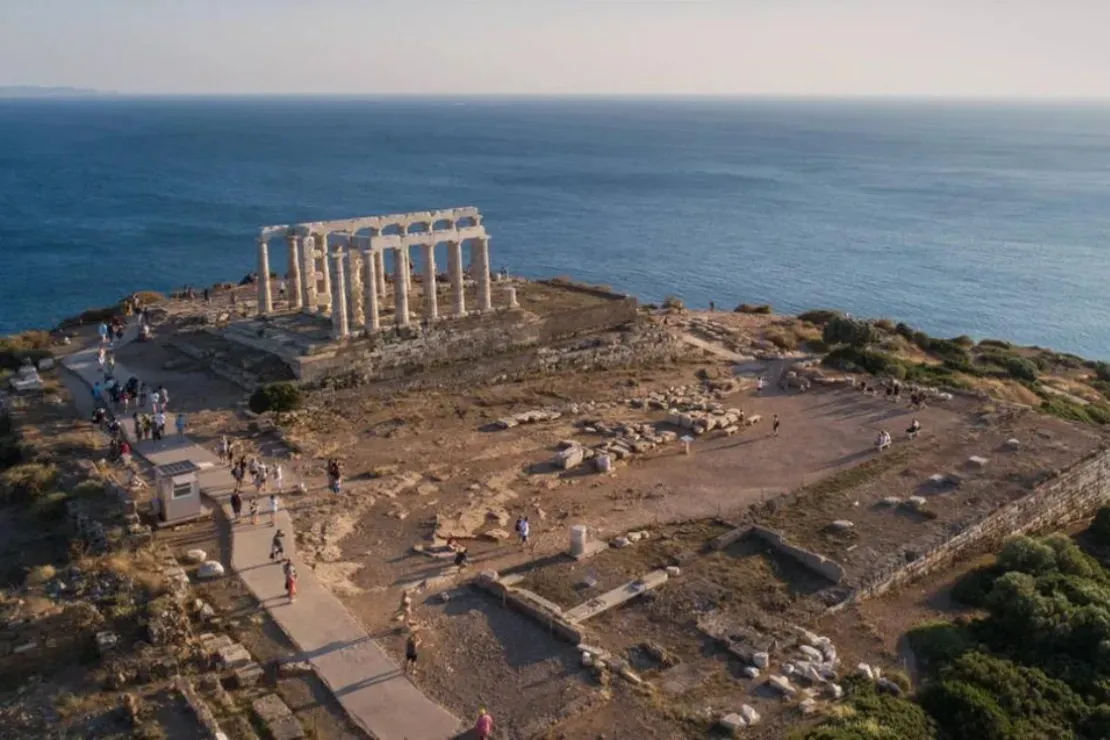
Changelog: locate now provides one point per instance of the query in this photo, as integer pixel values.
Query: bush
(967, 711)
(1100, 527)
(874, 716)
(149, 297)
(852, 332)
(884, 325)
(277, 397)
(90, 488)
(51, 507)
(780, 338)
(40, 574)
(973, 588)
(673, 303)
(963, 341)
(19, 348)
(819, 317)
(1027, 555)
(24, 482)
(1102, 371)
(871, 361)
(995, 344)
(1020, 368)
(762, 308)
(936, 644)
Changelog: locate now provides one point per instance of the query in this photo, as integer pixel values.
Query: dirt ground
(421, 462)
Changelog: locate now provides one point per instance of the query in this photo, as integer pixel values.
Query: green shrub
(874, 716)
(1027, 555)
(780, 338)
(968, 711)
(936, 644)
(871, 361)
(277, 397)
(973, 587)
(884, 325)
(1059, 406)
(963, 341)
(24, 482)
(149, 297)
(1020, 368)
(819, 317)
(851, 332)
(995, 343)
(762, 308)
(673, 303)
(1102, 371)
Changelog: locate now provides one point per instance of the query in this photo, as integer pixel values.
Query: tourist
(273, 509)
(277, 546)
(207, 296)
(125, 399)
(410, 651)
(252, 466)
(102, 330)
(97, 392)
(712, 306)
(281, 289)
(160, 424)
(124, 452)
(221, 448)
(279, 484)
(236, 504)
(254, 512)
(290, 580)
(461, 557)
(163, 395)
(523, 529)
(138, 419)
(775, 425)
(179, 422)
(148, 426)
(101, 355)
(484, 726)
(99, 415)
(759, 385)
(405, 612)
(915, 427)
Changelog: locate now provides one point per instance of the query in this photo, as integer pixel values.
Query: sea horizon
(987, 217)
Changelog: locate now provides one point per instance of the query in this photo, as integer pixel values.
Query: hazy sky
(1058, 48)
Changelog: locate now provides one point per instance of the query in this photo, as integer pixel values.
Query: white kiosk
(178, 491)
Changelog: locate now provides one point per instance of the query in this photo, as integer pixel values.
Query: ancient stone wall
(608, 315)
(1069, 497)
(817, 563)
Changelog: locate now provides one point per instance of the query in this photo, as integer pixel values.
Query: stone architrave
(400, 288)
(485, 302)
(370, 291)
(431, 306)
(265, 299)
(296, 299)
(354, 279)
(339, 299)
(310, 284)
(325, 267)
(455, 270)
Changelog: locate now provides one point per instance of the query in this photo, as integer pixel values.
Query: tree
(853, 332)
(277, 397)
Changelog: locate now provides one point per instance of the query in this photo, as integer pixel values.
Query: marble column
(370, 290)
(431, 303)
(455, 271)
(296, 298)
(265, 299)
(379, 272)
(309, 283)
(400, 288)
(482, 266)
(407, 252)
(325, 267)
(339, 299)
(354, 279)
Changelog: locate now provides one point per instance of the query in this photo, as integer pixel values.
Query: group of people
(884, 440)
(261, 474)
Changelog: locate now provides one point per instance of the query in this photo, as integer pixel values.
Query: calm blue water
(990, 220)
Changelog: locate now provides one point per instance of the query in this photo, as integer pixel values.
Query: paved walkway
(370, 687)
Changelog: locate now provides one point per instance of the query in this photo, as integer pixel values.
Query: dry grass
(69, 705)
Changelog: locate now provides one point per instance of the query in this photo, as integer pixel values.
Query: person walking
(273, 509)
(236, 505)
(775, 425)
(279, 482)
(237, 474)
(759, 385)
(411, 646)
(523, 529)
(160, 424)
(137, 418)
(254, 512)
(179, 422)
(164, 394)
(277, 546)
(483, 728)
(290, 580)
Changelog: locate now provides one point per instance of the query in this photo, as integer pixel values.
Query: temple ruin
(339, 267)
(353, 302)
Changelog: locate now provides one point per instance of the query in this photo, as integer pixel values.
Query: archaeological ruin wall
(1071, 496)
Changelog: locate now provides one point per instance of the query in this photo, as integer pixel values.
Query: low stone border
(200, 709)
(819, 564)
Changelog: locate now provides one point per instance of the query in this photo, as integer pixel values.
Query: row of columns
(359, 285)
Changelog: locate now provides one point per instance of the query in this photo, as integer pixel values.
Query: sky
(951, 48)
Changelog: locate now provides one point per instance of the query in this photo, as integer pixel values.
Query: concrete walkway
(371, 688)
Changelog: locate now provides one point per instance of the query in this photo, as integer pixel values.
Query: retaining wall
(1071, 496)
(609, 315)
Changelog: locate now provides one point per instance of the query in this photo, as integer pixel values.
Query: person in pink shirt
(484, 726)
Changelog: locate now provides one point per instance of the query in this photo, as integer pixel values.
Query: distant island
(33, 91)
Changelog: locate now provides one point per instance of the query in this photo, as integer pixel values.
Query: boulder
(497, 535)
(570, 458)
(761, 660)
(977, 462)
(732, 723)
(835, 691)
(620, 542)
(196, 556)
(751, 671)
(603, 463)
(811, 652)
(889, 686)
(865, 670)
(750, 715)
(782, 685)
(808, 706)
(673, 571)
(210, 569)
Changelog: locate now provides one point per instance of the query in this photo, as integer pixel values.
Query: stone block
(749, 714)
(977, 462)
(673, 571)
(751, 671)
(278, 720)
(210, 569)
(782, 685)
(248, 676)
(234, 656)
(761, 659)
(196, 556)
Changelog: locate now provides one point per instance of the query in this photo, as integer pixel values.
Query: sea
(990, 219)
